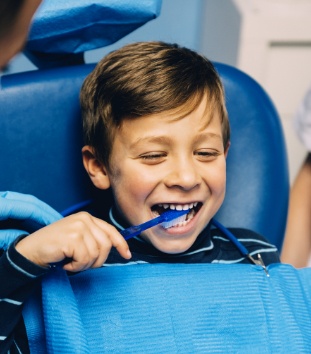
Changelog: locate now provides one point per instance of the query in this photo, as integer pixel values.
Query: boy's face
(159, 160)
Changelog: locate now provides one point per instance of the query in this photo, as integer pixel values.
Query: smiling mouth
(158, 209)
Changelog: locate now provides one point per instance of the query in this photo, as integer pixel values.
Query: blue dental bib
(172, 308)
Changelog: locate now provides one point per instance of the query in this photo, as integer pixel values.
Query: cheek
(131, 185)
(216, 178)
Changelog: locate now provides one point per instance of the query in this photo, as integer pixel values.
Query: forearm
(297, 244)
(18, 277)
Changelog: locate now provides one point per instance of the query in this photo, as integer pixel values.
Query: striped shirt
(19, 276)
(211, 246)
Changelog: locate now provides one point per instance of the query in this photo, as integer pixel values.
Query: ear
(95, 169)
(227, 148)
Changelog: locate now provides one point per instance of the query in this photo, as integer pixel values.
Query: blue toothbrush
(165, 217)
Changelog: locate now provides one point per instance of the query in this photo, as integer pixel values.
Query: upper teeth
(179, 206)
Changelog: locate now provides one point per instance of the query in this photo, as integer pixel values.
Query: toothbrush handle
(136, 230)
(167, 216)
(131, 232)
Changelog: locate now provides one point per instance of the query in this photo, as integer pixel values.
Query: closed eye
(153, 158)
(207, 155)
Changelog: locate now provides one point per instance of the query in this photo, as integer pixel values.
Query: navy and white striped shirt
(211, 246)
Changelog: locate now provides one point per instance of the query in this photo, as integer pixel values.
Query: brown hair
(146, 78)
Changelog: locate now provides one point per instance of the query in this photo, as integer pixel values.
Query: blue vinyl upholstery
(41, 140)
(257, 169)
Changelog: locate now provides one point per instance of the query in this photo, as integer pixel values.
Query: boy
(157, 134)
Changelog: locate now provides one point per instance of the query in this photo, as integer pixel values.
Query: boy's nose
(183, 174)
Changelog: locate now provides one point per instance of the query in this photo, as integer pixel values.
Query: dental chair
(143, 308)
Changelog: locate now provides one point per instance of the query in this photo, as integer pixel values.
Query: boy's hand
(83, 239)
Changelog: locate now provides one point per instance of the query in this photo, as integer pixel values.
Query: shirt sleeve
(18, 278)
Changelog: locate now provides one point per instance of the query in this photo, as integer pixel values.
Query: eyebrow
(210, 136)
(165, 140)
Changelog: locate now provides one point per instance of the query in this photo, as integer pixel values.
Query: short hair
(146, 78)
(9, 10)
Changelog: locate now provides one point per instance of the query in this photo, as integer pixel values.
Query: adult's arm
(297, 243)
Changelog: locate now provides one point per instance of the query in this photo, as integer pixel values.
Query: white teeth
(178, 222)
(182, 220)
(178, 206)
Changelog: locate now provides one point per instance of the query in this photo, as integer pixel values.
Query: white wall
(271, 41)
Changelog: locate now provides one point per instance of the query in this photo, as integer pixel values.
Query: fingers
(86, 255)
(91, 245)
(81, 238)
(117, 240)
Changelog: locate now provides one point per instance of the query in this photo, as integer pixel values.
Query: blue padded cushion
(76, 26)
(41, 133)
(41, 140)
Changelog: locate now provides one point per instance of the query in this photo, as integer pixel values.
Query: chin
(174, 248)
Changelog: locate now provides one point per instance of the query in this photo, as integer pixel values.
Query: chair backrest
(257, 167)
(41, 140)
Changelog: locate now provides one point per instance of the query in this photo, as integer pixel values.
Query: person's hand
(22, 214)
(81, 240)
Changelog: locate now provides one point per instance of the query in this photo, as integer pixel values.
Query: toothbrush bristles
(174, 222)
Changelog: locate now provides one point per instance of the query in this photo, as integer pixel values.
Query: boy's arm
(19, 214)
(82, 239)
(18, 277)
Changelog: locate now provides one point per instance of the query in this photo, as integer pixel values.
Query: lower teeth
(189, 216)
